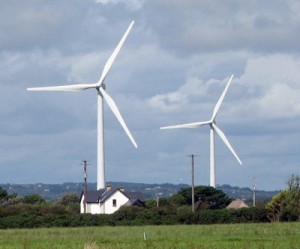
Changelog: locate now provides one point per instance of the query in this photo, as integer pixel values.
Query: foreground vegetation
(241, 236)
(210, 208)
(59, 224)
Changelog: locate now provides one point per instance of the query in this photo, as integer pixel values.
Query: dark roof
(135, 202)
(95, 196)
(135, 196)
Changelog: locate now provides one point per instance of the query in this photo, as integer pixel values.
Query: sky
(172, 69)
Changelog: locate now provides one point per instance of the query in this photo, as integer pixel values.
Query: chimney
(108, 187)
(122, 189)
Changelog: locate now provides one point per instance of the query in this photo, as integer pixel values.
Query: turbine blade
(77, 87)
(189, 125)
(112, 105)
(218, 105)
(225, 140)
(113, 56)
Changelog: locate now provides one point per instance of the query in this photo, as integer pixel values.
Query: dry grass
(91, 245)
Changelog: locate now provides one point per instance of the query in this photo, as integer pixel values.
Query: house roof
(134, 196)
(238, 203)
(135, 202)
(94, 195)
(101, 195)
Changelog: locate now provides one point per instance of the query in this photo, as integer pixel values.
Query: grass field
(276, 235)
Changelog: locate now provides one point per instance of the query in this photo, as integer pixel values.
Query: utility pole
(254, 194)
(157, 197)
(84, 186)
(193, 190)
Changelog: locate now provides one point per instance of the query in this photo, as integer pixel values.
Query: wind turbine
(213, 128)
(101, 94)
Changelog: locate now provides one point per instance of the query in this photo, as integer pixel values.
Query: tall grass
(239, 236)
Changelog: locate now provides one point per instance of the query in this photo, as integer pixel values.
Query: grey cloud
(62, 25)
(201, 26)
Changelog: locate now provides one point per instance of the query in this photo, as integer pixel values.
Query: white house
(109, 200)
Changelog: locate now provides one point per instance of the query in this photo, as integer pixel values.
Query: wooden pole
(193, 184)
(85, 187)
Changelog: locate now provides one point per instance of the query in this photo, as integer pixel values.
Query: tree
(68, 199)
(34, 199)
(3, 194)
(293, 197)
(276, 206)
(285, 206)
(293, 183)
(150, 203)
(211, 198)
(205, 198)
(70, 202)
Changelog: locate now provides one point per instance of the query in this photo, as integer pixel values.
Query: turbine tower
(213, 128)
(101, 94)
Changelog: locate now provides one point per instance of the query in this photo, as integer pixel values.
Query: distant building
(236, 204)
(109, 200)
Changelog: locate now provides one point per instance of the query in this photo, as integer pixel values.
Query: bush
(48, 215)
(33, 199)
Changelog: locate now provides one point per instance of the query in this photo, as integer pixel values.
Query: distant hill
(247, 193)
(52, 192)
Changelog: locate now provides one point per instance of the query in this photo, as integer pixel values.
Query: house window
(114, 202)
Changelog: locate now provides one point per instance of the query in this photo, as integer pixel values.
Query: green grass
(239, 236)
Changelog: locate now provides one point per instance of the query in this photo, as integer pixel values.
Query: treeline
(32, 211)
(210, 208)
(33, 216)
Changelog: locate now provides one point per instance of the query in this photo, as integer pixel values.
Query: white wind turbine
(102, 94)
(213, 128)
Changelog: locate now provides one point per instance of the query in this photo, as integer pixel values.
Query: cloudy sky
(172, 69)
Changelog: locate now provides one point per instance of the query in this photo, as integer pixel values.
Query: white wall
(91, 208)
(119, 197)
(81, 205)
(107, 207)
